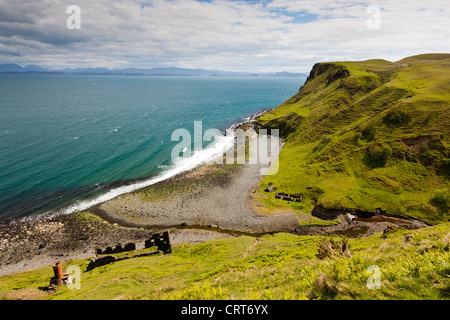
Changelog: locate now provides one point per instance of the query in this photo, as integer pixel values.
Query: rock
(345, 249)
(408, 238)
(98, 262)
(349, 218)
(389, 229)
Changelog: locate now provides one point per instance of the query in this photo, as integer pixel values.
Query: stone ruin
(159, 240)
(117, 249)
(289, 196)
(104, 256)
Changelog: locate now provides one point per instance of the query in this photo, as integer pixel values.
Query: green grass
(278, 266)
(368, 134)
(358, 135)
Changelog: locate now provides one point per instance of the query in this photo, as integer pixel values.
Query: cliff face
(370, 134)
(333, 72)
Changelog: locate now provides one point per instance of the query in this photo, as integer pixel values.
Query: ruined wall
(159, 240)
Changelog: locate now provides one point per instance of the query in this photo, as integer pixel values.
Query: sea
(68, 142)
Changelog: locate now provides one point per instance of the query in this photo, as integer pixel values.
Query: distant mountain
(32, 67)
(84, 70)
(164, 72)
(159, 71)
(10, 67)
(288, 74)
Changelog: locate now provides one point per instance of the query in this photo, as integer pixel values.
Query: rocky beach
(211, 201)
(208, 202)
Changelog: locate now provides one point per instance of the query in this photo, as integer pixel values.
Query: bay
(66, 139)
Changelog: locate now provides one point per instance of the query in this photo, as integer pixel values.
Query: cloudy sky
(237, 35)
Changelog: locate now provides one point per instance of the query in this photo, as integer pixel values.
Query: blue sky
(237, 35)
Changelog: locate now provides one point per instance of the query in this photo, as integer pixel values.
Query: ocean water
(69, 142)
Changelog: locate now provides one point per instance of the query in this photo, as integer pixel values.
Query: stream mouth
(379, 218)
(365, 226)
(356, 223)
(354, 232)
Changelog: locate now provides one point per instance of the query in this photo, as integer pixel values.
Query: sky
(232, 35)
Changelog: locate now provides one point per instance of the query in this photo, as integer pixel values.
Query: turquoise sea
(71, 141)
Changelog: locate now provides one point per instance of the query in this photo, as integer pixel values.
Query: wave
(212, 152)
(251, 118)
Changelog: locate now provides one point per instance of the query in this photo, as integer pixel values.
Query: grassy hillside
(358, 135)
(366, 135)
(279, 266)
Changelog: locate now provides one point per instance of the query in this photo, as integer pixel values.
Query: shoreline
(211, 195)
(207, 202)
(31, 245)
(131, 184)
(27, 244)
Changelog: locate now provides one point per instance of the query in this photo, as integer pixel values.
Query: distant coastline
(10, 68)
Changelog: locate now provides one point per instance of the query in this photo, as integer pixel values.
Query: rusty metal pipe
(57, 270)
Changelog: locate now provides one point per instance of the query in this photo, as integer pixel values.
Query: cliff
(369, 134)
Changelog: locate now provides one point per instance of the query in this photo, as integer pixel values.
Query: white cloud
(221, 34)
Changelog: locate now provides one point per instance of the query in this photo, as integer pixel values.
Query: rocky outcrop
(331, 214)
(334, 72)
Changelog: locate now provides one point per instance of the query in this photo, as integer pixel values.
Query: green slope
(366, 135)
(358, 135)
(279, 266)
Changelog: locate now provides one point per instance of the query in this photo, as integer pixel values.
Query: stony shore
(209, 202)
(216, 196)
(34, 244)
